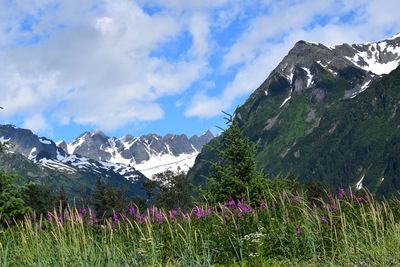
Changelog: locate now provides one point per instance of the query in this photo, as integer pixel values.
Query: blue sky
(158, 66)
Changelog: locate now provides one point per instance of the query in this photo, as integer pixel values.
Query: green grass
(289, 231)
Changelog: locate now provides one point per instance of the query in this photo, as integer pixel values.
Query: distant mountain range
(123, 162)
(327, 113)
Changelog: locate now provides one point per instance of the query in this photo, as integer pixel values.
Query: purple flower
(263, 205)
(232, 203)
(173, 214)
(131, 211)
(360, 199)
(334, 206)
(341, 193)
(330, 196)
(299, 231)
(115, 218)
(284, 195)
(49, 217)
(324, 220)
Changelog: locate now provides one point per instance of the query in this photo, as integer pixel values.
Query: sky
(158, 66)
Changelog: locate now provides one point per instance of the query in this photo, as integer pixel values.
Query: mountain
(149, 154)
(327, 113)
(40, 159)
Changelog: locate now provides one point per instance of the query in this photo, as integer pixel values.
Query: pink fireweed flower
(334, 206)
(232, 203)
(173, 214)
(115, 218)
(131, 211)
(324, 220)
(341, 193)
(263, 205)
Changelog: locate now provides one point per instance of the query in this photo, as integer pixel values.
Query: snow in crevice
(285, 101)
(309, 76)
(326, 66)
(359, 184)
(32, 153)
(44, 141)
(363, 88)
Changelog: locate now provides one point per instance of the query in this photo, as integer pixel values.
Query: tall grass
(285, 229)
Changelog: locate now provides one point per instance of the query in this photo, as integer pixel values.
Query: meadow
(281, 229)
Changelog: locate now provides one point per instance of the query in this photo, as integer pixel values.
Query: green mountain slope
(322, 117)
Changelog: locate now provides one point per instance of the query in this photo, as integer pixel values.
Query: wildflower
(284, 195)
(330, 196)
(324, 220)
(299, 231)
(359, 199)
(131, 211)
(334, 206)
(341, 193)
(115, 218)
(232, 203)
(49, 217)
(173, 214)
(263, 205)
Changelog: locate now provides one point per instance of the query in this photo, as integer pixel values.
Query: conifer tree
(234, 175)
(99, 197)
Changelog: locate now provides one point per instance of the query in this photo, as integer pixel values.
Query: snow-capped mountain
(129, 157)
(46, 153)
(327, 113)
(368, 62)
(150, 154)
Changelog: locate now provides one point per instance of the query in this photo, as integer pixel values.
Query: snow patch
(372, 56)
(284, 101)
(309, 76)
(363, 88)
(4, 140)
(359, 184)
(166, 162)
(44, 141)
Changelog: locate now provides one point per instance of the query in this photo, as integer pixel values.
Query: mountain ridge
(290, 115)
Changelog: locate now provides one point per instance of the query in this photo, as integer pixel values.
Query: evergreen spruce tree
(99, 197)
(234, 175)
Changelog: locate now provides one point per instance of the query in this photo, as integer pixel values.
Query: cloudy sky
(158, 66)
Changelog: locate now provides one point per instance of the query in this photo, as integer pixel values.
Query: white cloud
(98, 68)
(94, 62)
(37, 123)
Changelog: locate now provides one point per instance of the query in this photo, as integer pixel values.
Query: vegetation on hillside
(238, 218)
